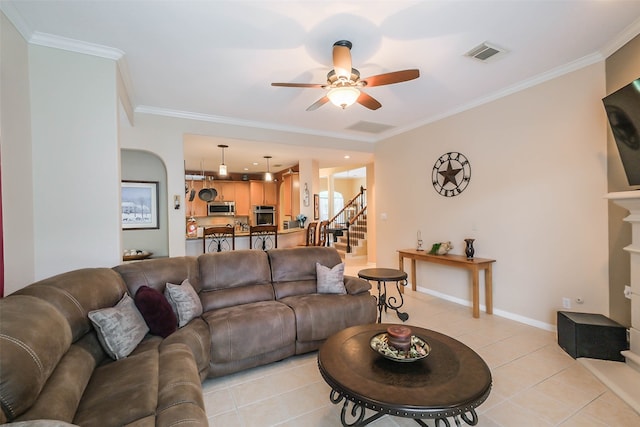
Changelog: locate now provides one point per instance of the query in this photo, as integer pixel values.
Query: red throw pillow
(156, 311)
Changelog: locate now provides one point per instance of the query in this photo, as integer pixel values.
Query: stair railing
(349, 214)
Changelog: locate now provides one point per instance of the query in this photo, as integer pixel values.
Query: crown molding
(16, 19)
(247, 123)
(72, 45)
(621, 39)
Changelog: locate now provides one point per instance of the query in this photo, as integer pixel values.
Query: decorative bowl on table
(418, 349)
(134, 255)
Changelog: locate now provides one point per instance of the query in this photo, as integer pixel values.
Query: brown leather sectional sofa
(258, 307)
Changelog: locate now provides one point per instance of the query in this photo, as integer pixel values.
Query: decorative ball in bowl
(387, 344)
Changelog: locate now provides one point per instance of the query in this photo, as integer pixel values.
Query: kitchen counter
(286, 239)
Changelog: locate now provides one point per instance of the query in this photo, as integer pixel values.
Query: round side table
(382, 276)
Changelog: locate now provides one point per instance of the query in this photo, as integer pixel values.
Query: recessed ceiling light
(255, 163)
(246, 169)
(347, 156)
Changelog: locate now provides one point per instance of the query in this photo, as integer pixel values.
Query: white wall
(75, 161)
(535, 201)
(15, 143)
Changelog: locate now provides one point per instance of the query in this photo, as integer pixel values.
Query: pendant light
(222, 170)
(267, 175)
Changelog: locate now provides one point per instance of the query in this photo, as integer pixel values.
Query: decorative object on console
(444, 175)
(469, 250)
(419, 245)
(441, 248)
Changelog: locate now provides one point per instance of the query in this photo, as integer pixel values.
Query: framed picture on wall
(139, 205)
(316, 207)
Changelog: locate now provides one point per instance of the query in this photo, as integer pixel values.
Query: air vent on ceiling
(370, 127)
(485, 51)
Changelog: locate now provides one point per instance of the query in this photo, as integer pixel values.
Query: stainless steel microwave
(221, 208)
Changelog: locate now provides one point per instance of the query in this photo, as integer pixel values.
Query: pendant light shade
(267, 175)
(222, 170)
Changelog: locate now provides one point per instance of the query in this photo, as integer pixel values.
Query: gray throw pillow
(184, 300)
(330, 280)
(120, 328)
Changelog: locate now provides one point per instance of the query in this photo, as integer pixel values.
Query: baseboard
(497, 312)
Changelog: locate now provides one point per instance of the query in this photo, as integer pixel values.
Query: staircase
(351, 222)
(358, 236)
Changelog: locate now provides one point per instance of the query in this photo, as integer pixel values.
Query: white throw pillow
(120, 328)
(330, 280)
(184, 300)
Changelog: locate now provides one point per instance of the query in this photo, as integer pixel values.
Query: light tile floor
(535, 383)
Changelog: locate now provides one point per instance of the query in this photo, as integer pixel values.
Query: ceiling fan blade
(313, 85)
(368, 101)
(342, 59)
(319, 103)
(391, 78)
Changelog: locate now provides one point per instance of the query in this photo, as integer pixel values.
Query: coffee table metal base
(356, 416)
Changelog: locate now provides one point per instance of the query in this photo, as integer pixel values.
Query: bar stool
(263, 237)
(222, 238)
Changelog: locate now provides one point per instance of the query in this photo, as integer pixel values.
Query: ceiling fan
(344, 84)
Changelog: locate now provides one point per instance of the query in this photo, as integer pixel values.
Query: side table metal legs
(390, 302)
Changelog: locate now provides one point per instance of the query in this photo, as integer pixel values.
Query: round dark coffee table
(382, 276)
(449, 383)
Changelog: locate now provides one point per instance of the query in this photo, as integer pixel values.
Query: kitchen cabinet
(243, 201)
(263, 193)
(290, 196)
(226, 191)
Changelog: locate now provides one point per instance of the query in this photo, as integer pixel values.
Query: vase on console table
(469, 250)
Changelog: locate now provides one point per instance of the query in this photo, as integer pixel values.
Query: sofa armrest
(356, 285)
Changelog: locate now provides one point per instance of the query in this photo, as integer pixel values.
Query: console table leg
(476, 292)
(488, 289)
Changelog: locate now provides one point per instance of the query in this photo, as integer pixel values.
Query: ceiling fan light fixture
(343, 96)
(222, 169)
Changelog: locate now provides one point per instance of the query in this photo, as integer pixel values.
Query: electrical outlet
(566, 302)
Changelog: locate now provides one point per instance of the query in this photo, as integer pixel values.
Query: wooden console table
(474, 266)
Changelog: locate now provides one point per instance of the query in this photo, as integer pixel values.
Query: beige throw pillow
(184, 300)
(120, 328)
(330, 280)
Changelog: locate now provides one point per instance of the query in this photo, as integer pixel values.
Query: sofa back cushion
(155, 273)
(76, 293)
(294, 269)
(234, 277)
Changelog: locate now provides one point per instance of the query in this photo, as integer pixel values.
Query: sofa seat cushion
(319, 316)
(249, 330)
(121, 392)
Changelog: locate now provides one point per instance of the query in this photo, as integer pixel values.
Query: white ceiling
(215, 60)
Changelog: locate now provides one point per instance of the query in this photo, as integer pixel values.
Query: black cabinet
(591, 335)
